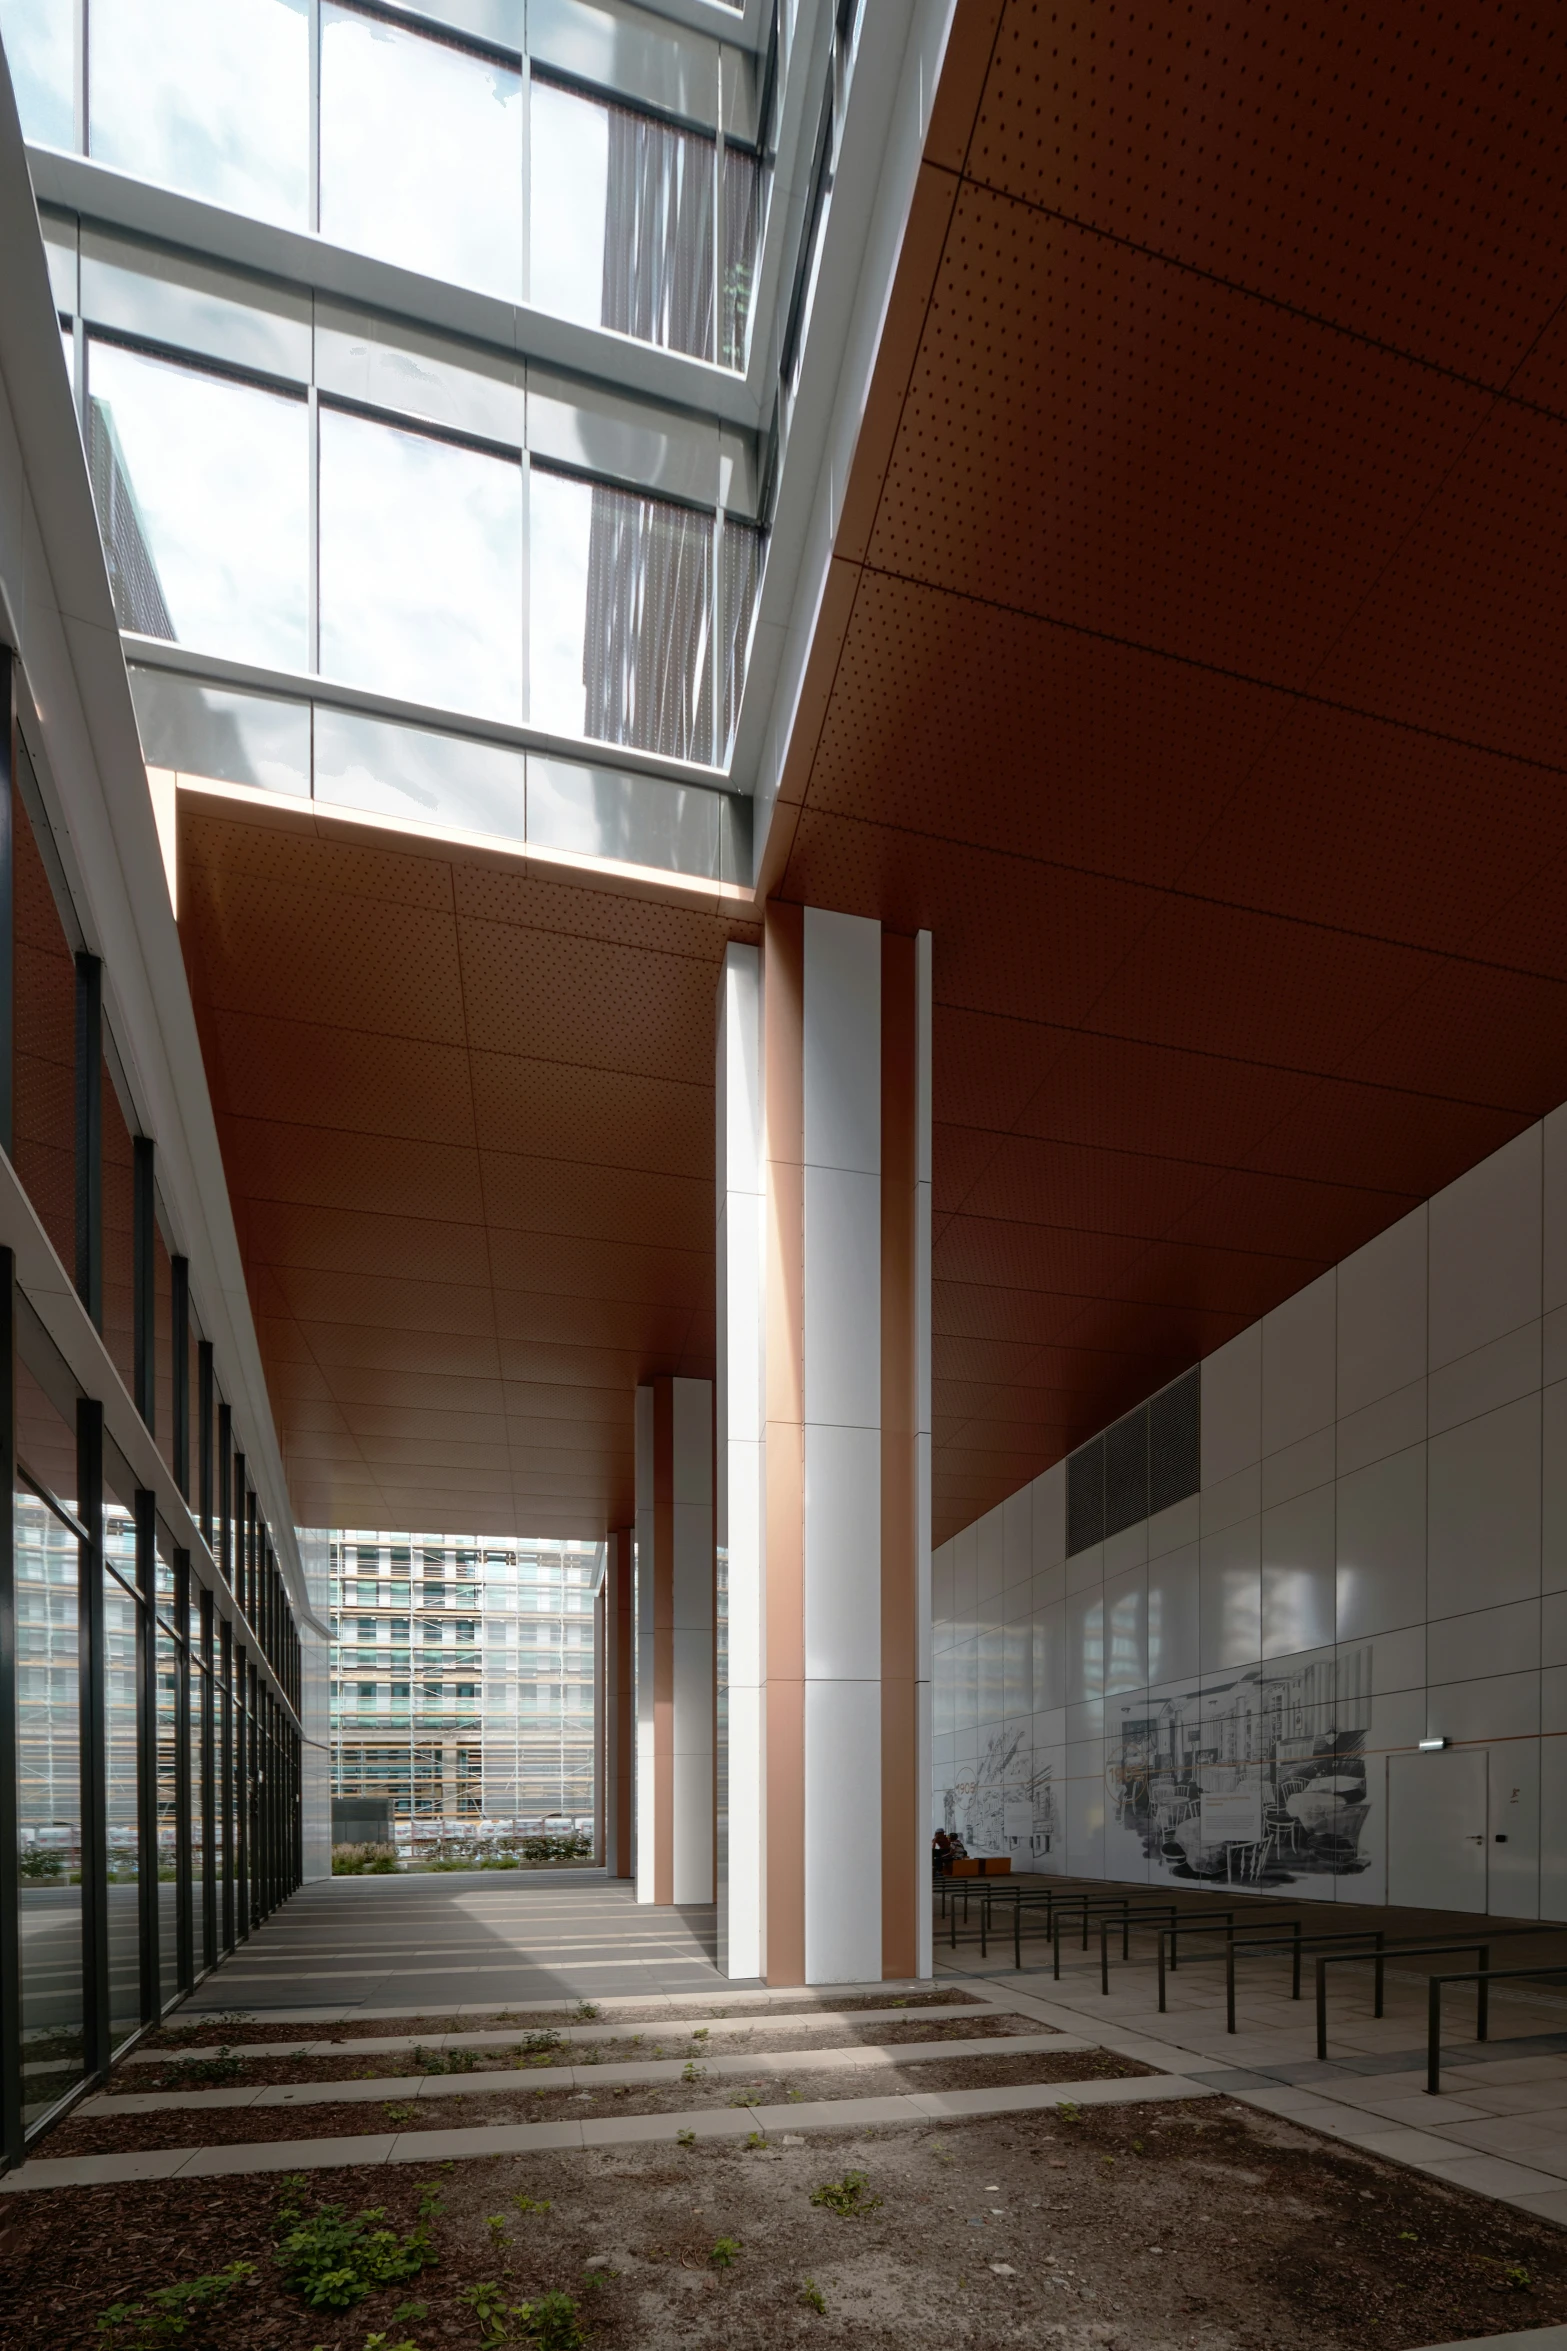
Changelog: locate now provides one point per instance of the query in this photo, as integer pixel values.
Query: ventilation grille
(1144, 1463)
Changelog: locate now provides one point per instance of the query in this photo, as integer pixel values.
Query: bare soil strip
(232, 2024)
(1131, 2229)
(100, 2134)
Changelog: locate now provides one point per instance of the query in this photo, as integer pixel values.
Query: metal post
(184, 1956)
(145, 1280)
(7, 904)
(226, 1495)
(95, 1830)
(1380, 1973)
(1104, 1954)
(1483, 1997)
(10, 1851)
(1229, 1981)
(146, 1520)
(226, 1774)
(209, 1864)
(1162, 1932)
(1295, 1982)
(1055, 1943)
(1322, 2006)
(1434, 2037)
(204, 1464)
(179, 1382)
(89, 1135)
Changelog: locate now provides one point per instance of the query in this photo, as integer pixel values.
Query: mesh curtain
(647, 654)
(658, 233)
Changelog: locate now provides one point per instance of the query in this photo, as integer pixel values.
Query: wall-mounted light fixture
(1433, 1746)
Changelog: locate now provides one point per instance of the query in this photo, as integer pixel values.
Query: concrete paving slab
(286, 2155)
(92, 2171)
(1491, 2175)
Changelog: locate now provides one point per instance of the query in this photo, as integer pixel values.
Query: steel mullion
(184, 1968)
(98, 2034)
(146, 1524)
(11, 2134)
(204, 1393)
(209, 1885)
(225, 1763)
(242, 1769)
(144, 1280)
(7, 903)
(89, 1136)
(179, 1384)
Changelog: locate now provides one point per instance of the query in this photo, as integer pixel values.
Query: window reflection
(421, 152)
(214, 100)
(743, 187)
(421, 567)
(49, 1804)
(622, 220)
(40, 49)
(202, 487)
(169, 1732)
(621, 605)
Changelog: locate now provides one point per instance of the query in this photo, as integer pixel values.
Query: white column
(642, 1614)
(922, 1427)
(691, 1640)
(741, 1190)
(841, 1038)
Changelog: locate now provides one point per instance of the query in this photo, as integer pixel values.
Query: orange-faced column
(674, 1648)
(619, 1690)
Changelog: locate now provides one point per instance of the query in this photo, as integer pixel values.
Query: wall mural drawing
(1008, 1806)
(1255, 1779)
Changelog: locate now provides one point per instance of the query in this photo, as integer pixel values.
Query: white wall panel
(841, 1025)
(1382, 1546)
(1300, 1364)
(1382, 1315)
(1484, 1541)
(1553, 1190)
(1485, 1250)
(842, 1832)
(1299, 1578)
(1232, 1407)
(842, 1553)
(842, 1296)
(1230, 1606)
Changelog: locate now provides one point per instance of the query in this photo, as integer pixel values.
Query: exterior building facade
(463, 1678)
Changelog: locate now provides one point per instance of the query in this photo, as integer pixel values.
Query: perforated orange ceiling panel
(1189, 664)
(467, 1122)
(1192, 667)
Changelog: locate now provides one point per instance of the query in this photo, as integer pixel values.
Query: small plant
(531, 2203)
(756, 2138)
(407, 2311)
(334, 2260)
(549, 2324)
(795, 2097)
(495, 2222)
(585, 2012)
(700, 2034)
(685, 2138)
(443, 2060)
(364, 1861)
(1068, 2112)
(384, 2343)
(535, 2044)
(489, 2305)
(692, 2072)
(813, 2297)
(398, 2113)
(725, 2253)
(166, 2313)
(221, 2066)
(746, 2097)
(1518, 2278)
(1407, 2237)
(847, 2197)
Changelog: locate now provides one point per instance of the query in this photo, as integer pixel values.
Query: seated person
(940, 1851)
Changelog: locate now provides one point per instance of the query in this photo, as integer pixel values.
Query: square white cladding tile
(1299, 1364)
(1231, 1500)
(965, 1574)
(1553, 1721)
(1127, 1549)
(990, 1557)
(841, 1039)
(691, 1411)
(1398, 1660)
(1085, 1645)
(1488, 1641)
(1553, 1629)
(1171, 1529)
(1230, 1603)
(1382, 1314)
(1173, 1586)
(1484, 1505)
(1496, 1374)
(842, 1553)
(1049, 1519)
(1297, 1468)
(1050, 1656)
(1017, 1535)
(1553, 1488)
(1382, 1545)
(1398, 1718)
(842, 1840)
(1085, 1569)
(1126, 1631)
(1505, 1707)
(1017, 1603)
(1485, 1250)
(1299, 1574)
(842, 1297)
(1553, 1147)
(1384, 1427)
(1232, 1407)
(1085, 1722)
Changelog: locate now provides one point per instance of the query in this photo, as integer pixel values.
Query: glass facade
(612, 195)
(150, 1667)
(462, 1679)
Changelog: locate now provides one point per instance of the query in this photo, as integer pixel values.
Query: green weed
(725, 2253)
(585, 2012)
(334, 2259)
(847, 2197)
(166, 2313)
(813, 2297)
(685, 2138)
(531, 2203)
(1066, 2111)
(692, 2072)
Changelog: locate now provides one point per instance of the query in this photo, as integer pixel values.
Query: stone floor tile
(87, 2171)
(1422, 2111)
(1490, 2173)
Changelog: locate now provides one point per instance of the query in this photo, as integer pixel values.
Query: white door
(1436, 1829)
